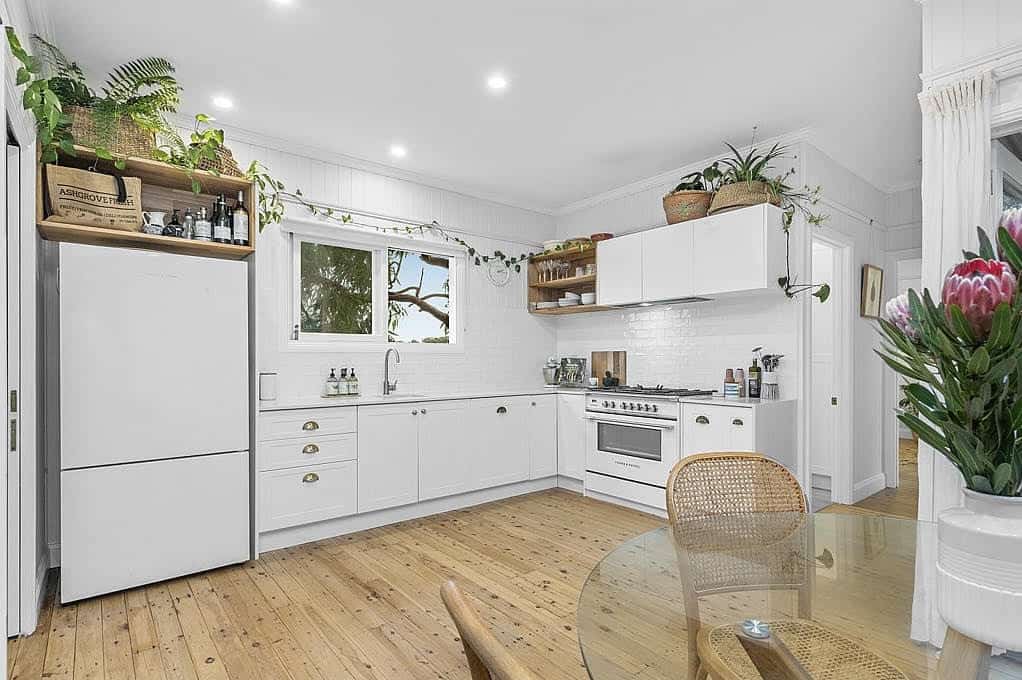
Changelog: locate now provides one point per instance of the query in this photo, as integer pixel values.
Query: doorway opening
(830, 464)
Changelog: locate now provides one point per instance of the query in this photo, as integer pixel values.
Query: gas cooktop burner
(659, 390)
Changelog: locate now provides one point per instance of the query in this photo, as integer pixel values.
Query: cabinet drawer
(307, 494)
(305, 422)
(310, 450)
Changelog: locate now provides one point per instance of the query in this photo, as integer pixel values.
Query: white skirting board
(570, 484)
(868, 487)
(285, 538)
(657, 512)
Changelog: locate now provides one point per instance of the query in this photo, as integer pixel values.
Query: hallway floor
(904, 500)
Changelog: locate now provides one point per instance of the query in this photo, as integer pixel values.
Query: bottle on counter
(203, 227)
(352, 382)
(239, 225)
(755, 379)
(221, 223)
(333, 384)
(740, 379)
(342, 386)
(188, 224)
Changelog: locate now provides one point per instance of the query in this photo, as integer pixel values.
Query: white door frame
(890, 383)
(3, 347)
(843, 289)
(33, 564)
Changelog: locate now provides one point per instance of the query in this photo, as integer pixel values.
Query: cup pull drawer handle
(737, 421)
(310, 425)
(310, 448)
(310, 478)
(702, 420)
(501, 409)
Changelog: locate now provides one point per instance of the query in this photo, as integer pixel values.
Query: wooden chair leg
(701, 672)
(963, 658)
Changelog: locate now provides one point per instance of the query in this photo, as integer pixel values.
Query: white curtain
(956, 200)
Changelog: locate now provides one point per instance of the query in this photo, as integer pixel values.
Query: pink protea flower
(976, 287)
(1011, 219)
(898, 313)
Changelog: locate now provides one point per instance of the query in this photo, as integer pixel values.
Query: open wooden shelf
(117, 238)
(164, 187)
(568, 254)
(587, 281)
(576, 309)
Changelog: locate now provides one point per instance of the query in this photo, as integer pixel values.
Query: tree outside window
(418, 297)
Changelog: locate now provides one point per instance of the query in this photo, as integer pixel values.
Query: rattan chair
(712, 501)
(487, 658)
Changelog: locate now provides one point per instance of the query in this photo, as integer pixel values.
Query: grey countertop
(399, 398)
(375, 399)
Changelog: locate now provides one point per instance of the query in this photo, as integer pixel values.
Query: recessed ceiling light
(497, 82)
(284, 3)
(398, 151)
(223, 102)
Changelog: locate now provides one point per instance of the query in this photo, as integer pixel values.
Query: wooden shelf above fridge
(164, 187)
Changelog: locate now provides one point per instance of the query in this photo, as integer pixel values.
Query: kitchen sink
(400, 395)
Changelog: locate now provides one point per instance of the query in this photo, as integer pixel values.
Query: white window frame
(378, 245)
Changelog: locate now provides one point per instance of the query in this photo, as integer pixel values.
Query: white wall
(956, 31)
(505, 346)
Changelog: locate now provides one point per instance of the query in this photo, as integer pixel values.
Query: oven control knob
(631, 406)
(606, 404)
(647, 407)
(654, 408)
(612, 404)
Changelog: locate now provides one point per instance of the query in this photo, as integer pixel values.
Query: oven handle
(649, 424)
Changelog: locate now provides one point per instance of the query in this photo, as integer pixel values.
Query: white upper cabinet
(619, 270)
(737, 252)
(666, 263)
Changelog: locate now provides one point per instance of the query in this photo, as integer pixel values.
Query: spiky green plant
(750, 167)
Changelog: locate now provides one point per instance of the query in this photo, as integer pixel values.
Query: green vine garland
(272, 193)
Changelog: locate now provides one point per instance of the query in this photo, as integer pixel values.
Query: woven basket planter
(742, 195)
(686, 205)
(126, 138)
(224, 163)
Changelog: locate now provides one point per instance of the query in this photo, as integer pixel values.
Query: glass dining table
(833, 591)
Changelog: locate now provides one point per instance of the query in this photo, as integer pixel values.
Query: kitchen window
(374, 290)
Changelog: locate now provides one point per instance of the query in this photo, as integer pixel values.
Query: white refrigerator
(154, 417)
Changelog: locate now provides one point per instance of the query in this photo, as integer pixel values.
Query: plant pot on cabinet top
(742, 195)
(680, 206)
(123, 138)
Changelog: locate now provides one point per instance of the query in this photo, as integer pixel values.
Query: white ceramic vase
(979, 569)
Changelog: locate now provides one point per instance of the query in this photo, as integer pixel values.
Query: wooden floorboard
(901, 501)
(364, 606)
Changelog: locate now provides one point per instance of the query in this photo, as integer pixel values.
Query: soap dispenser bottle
(352, 382)
(333, 384)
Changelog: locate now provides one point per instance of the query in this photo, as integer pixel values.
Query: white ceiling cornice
(1003, 62)
(668, 177)
(284, 146)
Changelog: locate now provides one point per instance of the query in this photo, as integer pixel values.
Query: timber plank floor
(364, 606)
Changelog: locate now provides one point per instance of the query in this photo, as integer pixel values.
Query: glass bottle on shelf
(173, 228)
(203, 227)
(221, 223)
(188, 225)
(239, 227)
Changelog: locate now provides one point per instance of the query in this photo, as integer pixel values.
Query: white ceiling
(603, 92)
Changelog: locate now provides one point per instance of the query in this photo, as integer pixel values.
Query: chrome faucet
(388, 385)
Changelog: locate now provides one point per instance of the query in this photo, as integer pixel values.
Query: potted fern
(690, 199)
(122, 119)
(745, 181)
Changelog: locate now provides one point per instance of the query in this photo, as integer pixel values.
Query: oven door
(636, 449)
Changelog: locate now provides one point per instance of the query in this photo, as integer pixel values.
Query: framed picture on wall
(872, 291)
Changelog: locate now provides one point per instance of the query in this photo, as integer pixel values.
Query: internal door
(13, 369)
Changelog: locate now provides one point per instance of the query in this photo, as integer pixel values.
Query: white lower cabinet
(571, 435)
(307, 494)
(541, 428)
(388, 456)
(502, 453)
(445, 452)
(766, 427)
